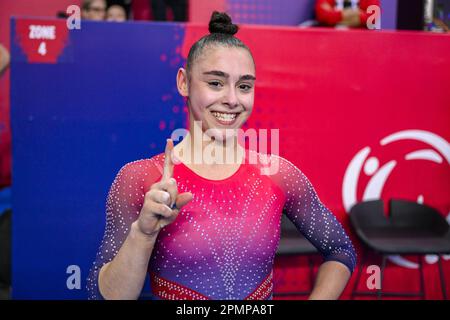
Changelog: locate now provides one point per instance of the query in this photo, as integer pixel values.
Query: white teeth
(224, 116)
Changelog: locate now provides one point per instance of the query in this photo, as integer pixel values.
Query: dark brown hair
(222, 31)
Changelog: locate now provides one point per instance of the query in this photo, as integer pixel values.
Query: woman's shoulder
(148, 167)
(271, 164)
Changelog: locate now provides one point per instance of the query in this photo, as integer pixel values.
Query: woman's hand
(162, 203)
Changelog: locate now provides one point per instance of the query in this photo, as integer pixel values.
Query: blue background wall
(74, 124)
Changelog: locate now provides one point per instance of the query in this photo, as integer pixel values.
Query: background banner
(363, 114)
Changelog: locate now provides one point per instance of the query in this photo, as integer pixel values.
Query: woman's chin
(221, 134)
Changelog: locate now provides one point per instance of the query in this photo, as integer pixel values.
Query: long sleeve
(124, 202)
(315, 221)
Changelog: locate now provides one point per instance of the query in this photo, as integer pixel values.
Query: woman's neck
(198, 149)
(211, 158)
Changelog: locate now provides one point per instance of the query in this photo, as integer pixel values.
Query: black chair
(293, 243)
(411, 229)
(5, 255)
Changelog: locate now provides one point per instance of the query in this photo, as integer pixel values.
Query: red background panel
(332, 93)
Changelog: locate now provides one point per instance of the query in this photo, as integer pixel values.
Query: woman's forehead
(231, 60)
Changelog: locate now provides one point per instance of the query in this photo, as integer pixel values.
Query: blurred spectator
(116, 13)
(159, 8)
(349, 13)
(4, 59)
(93, 10)
(125, 4)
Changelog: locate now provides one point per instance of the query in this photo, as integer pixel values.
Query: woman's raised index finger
(168, 163)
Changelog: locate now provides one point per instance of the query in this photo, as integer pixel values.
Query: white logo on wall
(379, 175)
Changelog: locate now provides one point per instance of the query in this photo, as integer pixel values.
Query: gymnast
(210, 231)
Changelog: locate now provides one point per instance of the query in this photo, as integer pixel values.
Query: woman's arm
(134, 219)
(331, 281)
(123, 277)
(304, 208)
(124, 203)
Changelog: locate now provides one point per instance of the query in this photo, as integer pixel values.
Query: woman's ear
(182, 82)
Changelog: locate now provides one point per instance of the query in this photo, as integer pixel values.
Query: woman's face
(220, 89)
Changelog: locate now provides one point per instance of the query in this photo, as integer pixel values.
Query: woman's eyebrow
(226, 75)
(247, 77)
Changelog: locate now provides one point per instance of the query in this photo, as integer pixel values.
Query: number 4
(42, 50)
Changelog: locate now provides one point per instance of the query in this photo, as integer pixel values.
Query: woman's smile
(225, 118)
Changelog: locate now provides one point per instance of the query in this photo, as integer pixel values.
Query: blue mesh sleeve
(124, 202)
(312, 218)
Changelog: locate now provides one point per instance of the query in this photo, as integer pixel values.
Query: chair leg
(358, 276)
(311, 273)
(422, 278)
(383, 265)
(441, 276)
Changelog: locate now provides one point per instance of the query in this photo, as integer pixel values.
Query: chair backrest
(411, 214)
(368, 214)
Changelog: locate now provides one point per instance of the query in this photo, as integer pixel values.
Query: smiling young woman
(211, 230)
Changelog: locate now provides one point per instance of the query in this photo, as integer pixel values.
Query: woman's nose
(231, 98)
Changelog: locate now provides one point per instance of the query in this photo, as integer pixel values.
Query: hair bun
(221, 23)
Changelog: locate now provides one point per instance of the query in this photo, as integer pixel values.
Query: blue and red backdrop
(361, 113)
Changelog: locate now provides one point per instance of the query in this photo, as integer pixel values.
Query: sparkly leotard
(222, 244)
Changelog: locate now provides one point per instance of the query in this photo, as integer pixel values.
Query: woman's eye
(245, 87)
(214, 83)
